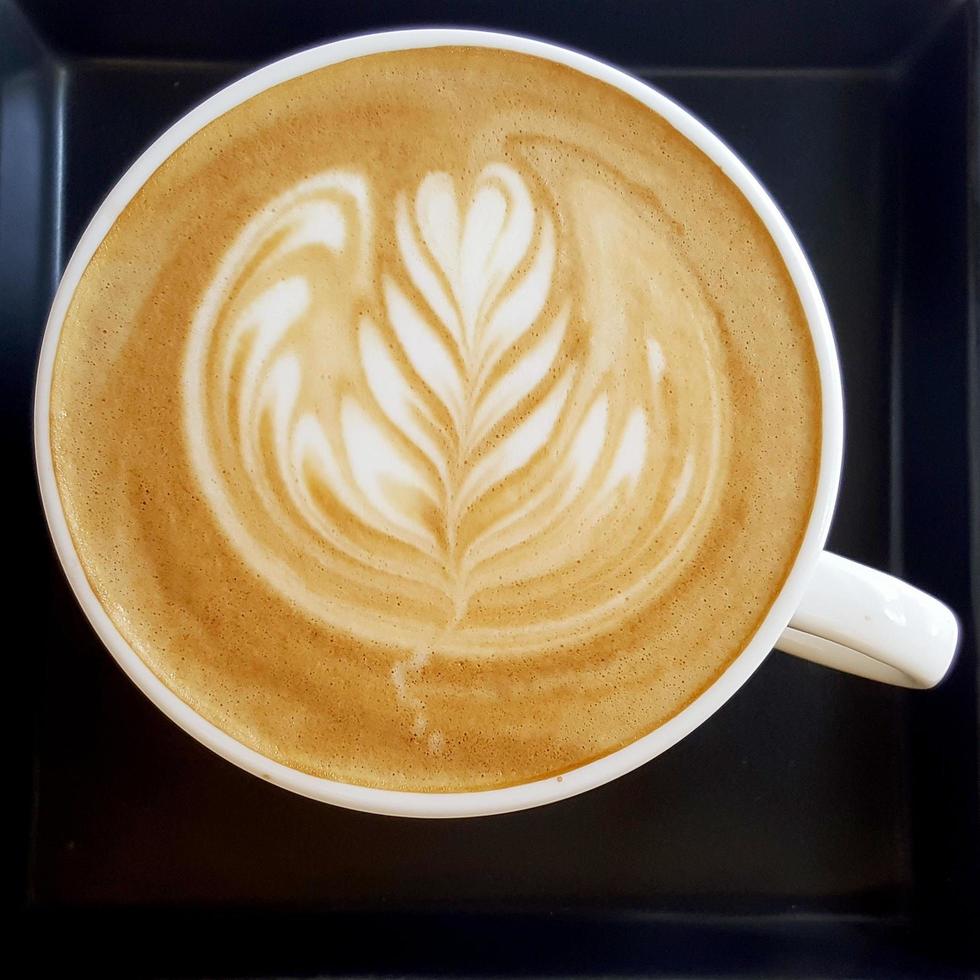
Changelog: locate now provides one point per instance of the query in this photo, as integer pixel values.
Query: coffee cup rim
(591, 774)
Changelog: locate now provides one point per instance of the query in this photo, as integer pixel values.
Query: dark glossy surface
(818, 824)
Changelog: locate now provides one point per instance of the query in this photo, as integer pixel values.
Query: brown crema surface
(440, 420)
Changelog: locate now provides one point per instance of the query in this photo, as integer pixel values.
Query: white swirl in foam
(494, 432)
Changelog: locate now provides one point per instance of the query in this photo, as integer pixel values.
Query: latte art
(438, 420)
(449, 425)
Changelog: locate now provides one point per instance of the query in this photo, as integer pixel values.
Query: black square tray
(818, 825)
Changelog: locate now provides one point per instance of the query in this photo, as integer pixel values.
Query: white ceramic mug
(830, 610)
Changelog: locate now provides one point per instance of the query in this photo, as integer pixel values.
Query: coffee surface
(439, 420)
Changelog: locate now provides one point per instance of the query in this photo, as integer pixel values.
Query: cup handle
(871, 624)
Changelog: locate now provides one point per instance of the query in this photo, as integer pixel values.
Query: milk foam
(439, 420)
(464, 386)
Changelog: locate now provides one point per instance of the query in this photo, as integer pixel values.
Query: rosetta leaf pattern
(474, 283)
(389, 430)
